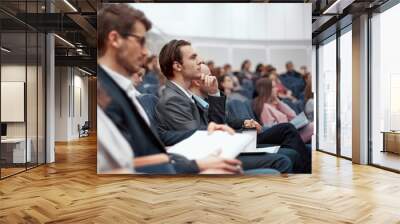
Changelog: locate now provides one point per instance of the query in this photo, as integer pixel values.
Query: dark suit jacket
(143, 140)
(175, 111)
(149, 102)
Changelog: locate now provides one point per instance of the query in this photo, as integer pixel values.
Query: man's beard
(128, 66)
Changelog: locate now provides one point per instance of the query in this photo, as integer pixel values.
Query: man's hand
(210, 83)
(219, 127)
(215, 164)
(252, 124)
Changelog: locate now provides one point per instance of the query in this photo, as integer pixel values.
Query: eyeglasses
(141, 40)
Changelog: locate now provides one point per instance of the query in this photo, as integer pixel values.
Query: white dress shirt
(130, 90)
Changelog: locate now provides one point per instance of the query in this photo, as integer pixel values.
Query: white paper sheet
(271, 149)
(201, 145)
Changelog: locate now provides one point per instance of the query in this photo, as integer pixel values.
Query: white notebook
(270, 149)
(201, 145)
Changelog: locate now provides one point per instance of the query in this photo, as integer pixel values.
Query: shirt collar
(201, 101)
(121, 80)
(187, 93)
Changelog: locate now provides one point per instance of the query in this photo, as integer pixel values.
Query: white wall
(71, 94)
(231, 33)
(235, 52)
(246, 21)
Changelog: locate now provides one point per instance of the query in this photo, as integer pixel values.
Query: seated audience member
(304, 72)
(152, 71)
(284, 134)
(178, 108)
(211, 65)
(236, 83)
(309, 99)
(282, 91)
(217, 71)
(137, 78)
(227, 70)
(245, 69)
(273, 111)
(293, 81)
(284, 94)
(261, 71)
(246, 79)
(121, 40)
(226, 85)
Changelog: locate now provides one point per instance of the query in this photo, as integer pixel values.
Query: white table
(17, 145)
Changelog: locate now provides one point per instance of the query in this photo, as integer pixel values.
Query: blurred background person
(271, 110)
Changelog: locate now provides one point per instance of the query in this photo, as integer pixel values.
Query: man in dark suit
(121, 40)
(178, 110)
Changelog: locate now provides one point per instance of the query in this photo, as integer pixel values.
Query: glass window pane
(346, 94)
(327, 97)
(385, 86)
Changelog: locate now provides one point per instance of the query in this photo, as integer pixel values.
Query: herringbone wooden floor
(70, 191)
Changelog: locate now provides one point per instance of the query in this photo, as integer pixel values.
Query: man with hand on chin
(179, 109)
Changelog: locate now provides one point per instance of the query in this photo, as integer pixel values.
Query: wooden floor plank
(70, 191)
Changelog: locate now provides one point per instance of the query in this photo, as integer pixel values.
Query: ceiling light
(70, 5)
(64, 40)
(328, 10)
(84, 71)
(5, 50)
(338, 6)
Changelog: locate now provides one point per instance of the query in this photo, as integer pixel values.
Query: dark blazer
(149, 102)
(175, 111)
(143, 140)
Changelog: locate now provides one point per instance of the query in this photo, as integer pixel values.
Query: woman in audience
(260, 71)
(227, 70)
(284, 94)
(245, 69)
(271, 110)
(281, 90)
(137, 78)
(226, 85)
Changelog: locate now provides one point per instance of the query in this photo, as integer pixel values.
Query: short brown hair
(170, 53)
(118, 17)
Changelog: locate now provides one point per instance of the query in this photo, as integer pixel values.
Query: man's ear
(114, 39)
(177, 67)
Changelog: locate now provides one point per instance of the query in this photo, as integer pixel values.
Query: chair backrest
(240, 109)
(149, 102)
(151, 78)
(247, 88)
(149, 89)
(85, 126)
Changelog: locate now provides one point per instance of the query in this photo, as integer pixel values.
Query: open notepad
(201, 144)
(300, 120)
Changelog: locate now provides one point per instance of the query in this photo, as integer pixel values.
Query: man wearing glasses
(121, 39)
